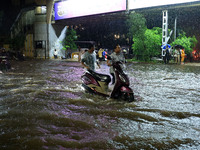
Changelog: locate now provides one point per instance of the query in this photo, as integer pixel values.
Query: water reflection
(42, 106)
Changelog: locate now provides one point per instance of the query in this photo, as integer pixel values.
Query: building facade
(34, 23)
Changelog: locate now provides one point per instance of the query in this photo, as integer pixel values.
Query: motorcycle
(4, 63)
(97, 83)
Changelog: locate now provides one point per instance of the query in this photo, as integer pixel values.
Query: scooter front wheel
(128, 97)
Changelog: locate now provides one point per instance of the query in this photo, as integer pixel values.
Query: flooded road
(42, 106)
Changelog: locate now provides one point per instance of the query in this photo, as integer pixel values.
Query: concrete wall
(40, 34)
(29, 49)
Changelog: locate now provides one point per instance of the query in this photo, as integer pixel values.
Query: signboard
(78, 8)
(135, 4)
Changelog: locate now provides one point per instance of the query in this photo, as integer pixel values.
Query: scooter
(96, 83)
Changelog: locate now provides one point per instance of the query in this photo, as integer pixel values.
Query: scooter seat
(100, 77)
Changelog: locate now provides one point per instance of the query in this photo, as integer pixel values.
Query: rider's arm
(108, 63)
(109, 60)
(124, 59)
(83, 59)
(85, 66)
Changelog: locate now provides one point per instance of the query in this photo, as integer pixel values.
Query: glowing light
(134, 4)
(70, 9)
(58, 43)
(196, 55)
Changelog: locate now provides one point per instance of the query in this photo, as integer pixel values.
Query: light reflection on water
(42, 106)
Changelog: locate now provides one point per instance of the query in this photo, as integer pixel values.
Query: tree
(153, 41)
(70, 39)
(148, 46)
(187, 42)
(136, 24)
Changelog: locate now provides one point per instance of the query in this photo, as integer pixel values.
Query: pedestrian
(100, 54)
(80, 53)
(104, 55)
(164, 55)
(55, 54)
(182, 56)
(88, 59)
(177, 56)
(167, 55)
(117, 55)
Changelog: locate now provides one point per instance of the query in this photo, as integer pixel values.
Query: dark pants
(166, 59)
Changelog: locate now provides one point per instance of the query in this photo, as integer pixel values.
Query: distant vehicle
(83, 45)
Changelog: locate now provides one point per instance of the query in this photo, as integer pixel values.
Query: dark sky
(8, 13)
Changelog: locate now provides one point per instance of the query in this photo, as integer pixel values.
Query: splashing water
(45, 108)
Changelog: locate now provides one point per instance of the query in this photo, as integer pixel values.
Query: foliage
(153, 41)
(138, 47)
(69, 40)
(136, 24)
(65, 47)
(147, 42)
(148, 46)
(187, 42)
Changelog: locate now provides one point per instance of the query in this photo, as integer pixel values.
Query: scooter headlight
(122, 78)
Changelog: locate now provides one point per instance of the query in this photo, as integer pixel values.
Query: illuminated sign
(135, 4)
(77, 8)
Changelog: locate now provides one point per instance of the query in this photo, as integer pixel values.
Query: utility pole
(49, 4)
(175, 24)
(164, 29)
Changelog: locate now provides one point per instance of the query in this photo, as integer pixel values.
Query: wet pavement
(42, 106)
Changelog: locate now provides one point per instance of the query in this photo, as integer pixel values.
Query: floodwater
(42, 106)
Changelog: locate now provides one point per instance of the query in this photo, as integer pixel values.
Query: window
(39, 44)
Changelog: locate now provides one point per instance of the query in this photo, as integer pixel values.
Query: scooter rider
(115, 56)
(88, 59)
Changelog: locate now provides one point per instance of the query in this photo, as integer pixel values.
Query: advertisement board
(135, 4)
(78, 8)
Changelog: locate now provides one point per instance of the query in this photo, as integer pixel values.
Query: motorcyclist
(117, 55)
(89, 60)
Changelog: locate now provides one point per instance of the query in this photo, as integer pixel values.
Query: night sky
(8, 14)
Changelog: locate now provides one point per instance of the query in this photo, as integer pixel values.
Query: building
(42, 34)
(33, 23)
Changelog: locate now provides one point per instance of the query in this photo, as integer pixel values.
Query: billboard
(135, 4)
(78, 8)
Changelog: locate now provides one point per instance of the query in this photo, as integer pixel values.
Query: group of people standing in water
(178, 54)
